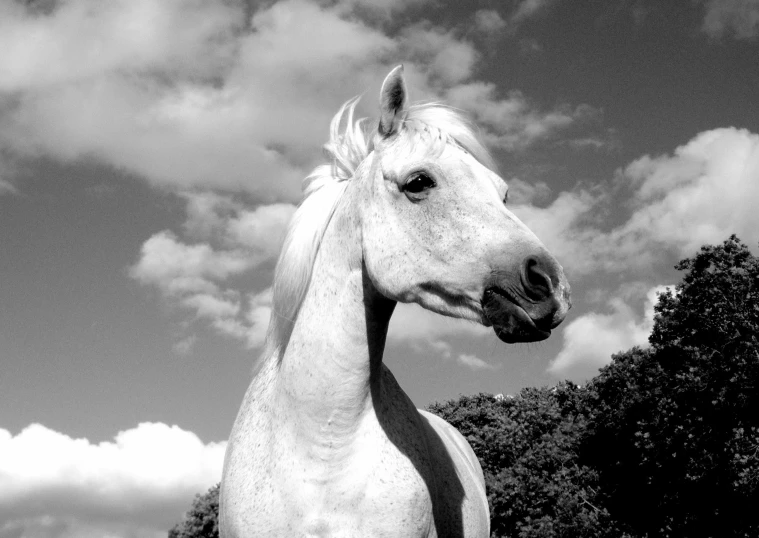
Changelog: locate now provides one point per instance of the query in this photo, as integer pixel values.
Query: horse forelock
(349, 145)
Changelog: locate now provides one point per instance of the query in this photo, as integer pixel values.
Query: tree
(674, 432)
(717, 303)
(527, 446)
(202, 521)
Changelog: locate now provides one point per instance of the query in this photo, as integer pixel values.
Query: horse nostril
(536, 282)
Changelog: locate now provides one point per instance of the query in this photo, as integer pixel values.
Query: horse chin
(511, 323)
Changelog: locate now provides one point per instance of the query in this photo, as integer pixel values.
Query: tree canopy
(202, 521)
(675, 428)
(527, 446)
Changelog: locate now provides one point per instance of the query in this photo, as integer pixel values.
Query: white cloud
(522, 192)
(384, 8)
(591, 339)
(528, 9)
(178, 268)
(81, 39)
(738, 17)
(512, 122)
(473, 362)
(262, 229)
(195, 277)
(185, 345)
(70, 527)
(138, 484)
(428, 332)
(257, 317)
(706, 190)
(185, 94)
(488, 21)
(254, 120)
(194, 98)
(560, 226)
(444, 57)
(411, 322)
(7, 188)
(701, 193)
(212, 306)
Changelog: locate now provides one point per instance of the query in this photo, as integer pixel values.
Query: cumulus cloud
(591, 339)
(705, 191)
(178, 268)
(81, 39)
(211, 101)
(231, 240)
(138, 484)
(701, 193)
(737, 17)
(188, 93)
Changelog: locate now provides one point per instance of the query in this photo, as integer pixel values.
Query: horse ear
(393, 97)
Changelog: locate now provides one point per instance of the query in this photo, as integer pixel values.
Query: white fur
(346, 150)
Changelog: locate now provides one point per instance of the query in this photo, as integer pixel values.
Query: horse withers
(326, 443)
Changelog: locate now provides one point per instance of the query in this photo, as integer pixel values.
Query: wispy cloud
(7, 188)
(488, 21)
(512, 123)
(527, 9)
(738, 18)
(185, 345)
(473, 362)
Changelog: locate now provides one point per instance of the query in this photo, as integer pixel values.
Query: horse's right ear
(393, 98)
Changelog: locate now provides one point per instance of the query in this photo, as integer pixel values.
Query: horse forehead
(415, 146)
(425, 146)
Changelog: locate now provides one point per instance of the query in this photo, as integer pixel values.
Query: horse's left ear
(393, 97)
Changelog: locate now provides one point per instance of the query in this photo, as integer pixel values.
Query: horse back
(461, 506)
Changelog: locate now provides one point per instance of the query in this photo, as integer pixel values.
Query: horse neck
(330, 371)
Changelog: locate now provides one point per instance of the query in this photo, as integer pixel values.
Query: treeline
(664, 442)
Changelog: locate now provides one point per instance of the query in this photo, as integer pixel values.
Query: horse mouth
(511, 323)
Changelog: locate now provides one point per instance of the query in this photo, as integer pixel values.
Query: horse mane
(323, 188)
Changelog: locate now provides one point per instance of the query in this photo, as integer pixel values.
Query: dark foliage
(675, 429)
(527, 448)
(202, 521)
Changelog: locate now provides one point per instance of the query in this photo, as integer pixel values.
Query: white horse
(326, 443)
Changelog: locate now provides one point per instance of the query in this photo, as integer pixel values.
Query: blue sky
(151, 154)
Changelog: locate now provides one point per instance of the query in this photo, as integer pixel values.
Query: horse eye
(506, 197)
(418, 183)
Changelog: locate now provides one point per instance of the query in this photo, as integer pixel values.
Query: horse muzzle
(528, 308)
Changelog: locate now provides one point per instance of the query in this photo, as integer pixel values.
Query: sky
(151, 156)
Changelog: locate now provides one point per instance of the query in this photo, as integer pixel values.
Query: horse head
(436, 229)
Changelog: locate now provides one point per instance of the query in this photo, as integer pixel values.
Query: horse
(326, 443)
